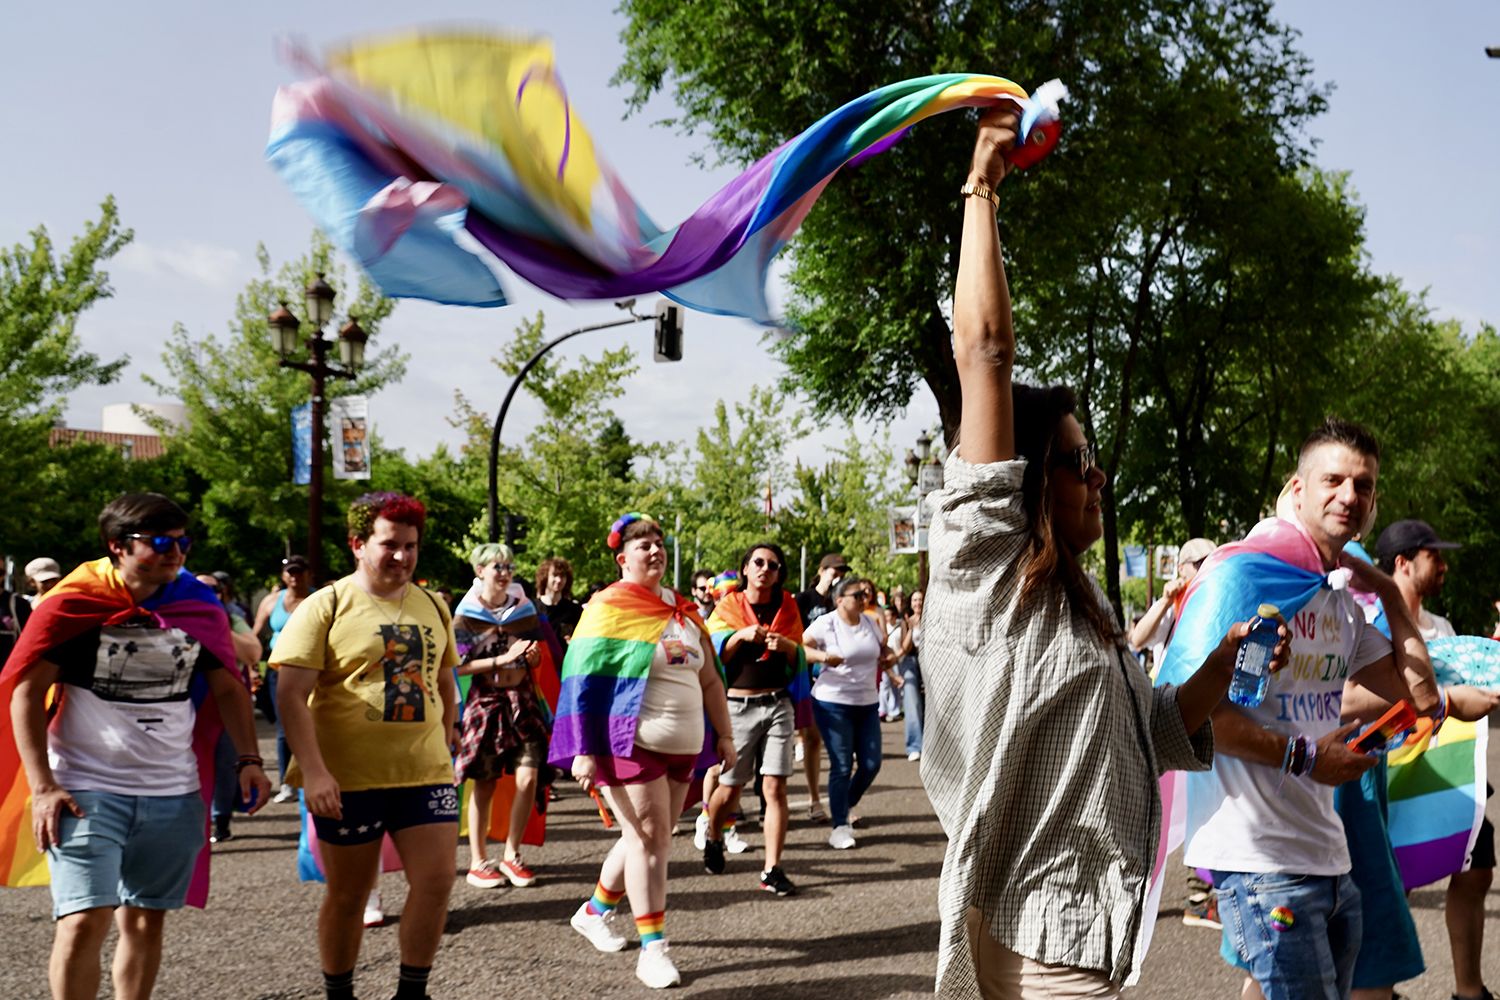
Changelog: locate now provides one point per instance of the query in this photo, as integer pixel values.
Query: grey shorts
(764, 727)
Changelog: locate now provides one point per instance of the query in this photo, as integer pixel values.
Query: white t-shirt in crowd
(1259, 820)
(671, 719)
(1434, 626)
(856, 680)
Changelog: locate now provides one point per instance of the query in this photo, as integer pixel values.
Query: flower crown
(617, 530)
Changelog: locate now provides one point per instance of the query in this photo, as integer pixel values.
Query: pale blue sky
(169, 112)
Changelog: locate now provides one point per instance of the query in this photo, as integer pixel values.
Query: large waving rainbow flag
(1436, 787)
(733, 612)
(91, 596)
(428, 156)
(605, 670)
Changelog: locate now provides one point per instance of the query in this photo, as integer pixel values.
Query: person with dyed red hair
(370, 706)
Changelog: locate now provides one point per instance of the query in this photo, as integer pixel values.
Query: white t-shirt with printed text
(1260, 820)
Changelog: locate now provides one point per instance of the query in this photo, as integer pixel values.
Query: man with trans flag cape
(428, 156)
(1263, 820)
(112, 770)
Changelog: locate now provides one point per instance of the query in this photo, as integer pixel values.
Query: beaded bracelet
(247, 760)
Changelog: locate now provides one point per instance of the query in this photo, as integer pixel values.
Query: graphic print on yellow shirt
(376, 705)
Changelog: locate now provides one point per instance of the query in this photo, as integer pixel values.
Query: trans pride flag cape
(426, 156)
(523, 618)
(605, 670)
(733, 612)
(94, 595)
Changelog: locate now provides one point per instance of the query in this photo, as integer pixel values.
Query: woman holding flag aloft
(638, 680)
(757, 632)
(1044, 740)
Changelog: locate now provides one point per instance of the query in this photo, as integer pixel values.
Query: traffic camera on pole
(668, 331)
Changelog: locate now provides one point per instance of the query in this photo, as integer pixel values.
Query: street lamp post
(285, 331)
(927, 474)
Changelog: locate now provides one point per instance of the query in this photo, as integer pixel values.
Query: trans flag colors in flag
(605, 670)
(733, 612)
(428, 156)
(91, 596)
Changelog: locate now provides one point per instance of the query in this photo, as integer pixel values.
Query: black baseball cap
(295, 564)
(1408, 536)
(832, 561)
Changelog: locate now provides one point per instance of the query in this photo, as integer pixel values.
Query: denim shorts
(1298, 935)
(371, 813)
(135, 850)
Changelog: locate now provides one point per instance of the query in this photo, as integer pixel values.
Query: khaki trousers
(1004, 975)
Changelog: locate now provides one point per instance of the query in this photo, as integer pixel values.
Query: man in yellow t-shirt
(369, 702)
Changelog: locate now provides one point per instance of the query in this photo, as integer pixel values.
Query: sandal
(817, 813)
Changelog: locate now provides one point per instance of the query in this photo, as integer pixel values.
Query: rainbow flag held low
(1436, 787)
(429, 157)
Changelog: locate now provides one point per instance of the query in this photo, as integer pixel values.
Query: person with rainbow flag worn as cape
(107, 753)
(757, 632)
(1263, 820)
(640, 711)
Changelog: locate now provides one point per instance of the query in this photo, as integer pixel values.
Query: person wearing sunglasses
(505, 725)
(852, 651)
(135, 642)
(757, 632)
(270, 618)
(1043, 739)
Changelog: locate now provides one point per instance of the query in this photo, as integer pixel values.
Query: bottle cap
(1268, 611)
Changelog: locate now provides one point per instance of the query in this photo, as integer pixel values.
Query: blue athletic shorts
(135, 850)
(374, 812)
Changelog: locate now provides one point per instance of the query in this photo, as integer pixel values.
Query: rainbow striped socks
(604, 900)
(650, 925)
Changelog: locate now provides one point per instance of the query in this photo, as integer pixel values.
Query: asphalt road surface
(864, 924)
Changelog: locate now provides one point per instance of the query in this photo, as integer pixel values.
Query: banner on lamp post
(1135, 562)
(302, 444)
(349, 422)
(903, 526)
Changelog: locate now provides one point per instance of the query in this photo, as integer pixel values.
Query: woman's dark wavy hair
(780, 575)
(1038, 412)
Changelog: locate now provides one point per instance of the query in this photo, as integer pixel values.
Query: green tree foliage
(42, 295)
(237, 438)
(576, 471)
(737, 462)
(1178, 259)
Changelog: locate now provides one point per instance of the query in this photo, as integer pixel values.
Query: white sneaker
(285, 794)
(734, 843)
(700, 832)
(374, 915)
(842, 838)
(598, 929)
(914, 755)
(655, 968)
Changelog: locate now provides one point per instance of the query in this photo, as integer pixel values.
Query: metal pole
(677, 554)
(319, 348)
(493, 505)
(802, 573)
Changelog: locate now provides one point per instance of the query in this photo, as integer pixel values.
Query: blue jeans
(849, 731)
(283, 749)
(1297, 934)
(914, 701)
(139, 850)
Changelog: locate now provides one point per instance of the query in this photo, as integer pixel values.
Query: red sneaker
(484, 875)
(520, 876)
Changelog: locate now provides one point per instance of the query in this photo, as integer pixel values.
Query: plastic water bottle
(1253, 659)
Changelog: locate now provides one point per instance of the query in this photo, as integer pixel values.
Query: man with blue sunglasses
(135, 643)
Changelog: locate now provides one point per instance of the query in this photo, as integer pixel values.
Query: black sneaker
(776, 881)
(221, 831)
(1484, 994)
(713, 857)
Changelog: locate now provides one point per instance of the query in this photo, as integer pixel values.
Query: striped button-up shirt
(1042, 748)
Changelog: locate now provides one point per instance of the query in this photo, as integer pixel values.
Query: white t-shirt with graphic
(1260, 820)
(671, 719)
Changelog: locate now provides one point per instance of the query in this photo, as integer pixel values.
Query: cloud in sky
(200, 263)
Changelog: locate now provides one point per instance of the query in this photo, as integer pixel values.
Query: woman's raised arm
(984, 345)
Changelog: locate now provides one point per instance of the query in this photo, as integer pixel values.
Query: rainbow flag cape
(428, 157)
(1436, 787)
(733, 612)
(605, 670)
(94, 595)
